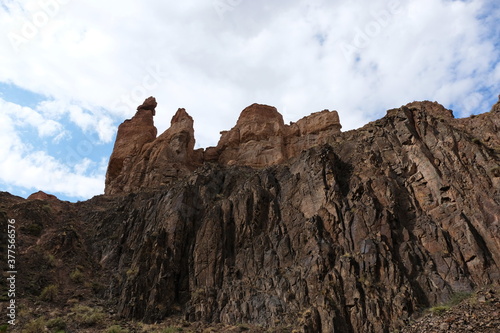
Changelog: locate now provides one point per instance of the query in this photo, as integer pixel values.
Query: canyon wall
(284, 227)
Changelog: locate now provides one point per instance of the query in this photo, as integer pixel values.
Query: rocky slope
(320, 231)
(479, 313)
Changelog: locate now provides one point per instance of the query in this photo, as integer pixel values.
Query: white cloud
(96, 61)
(89, 121)
(24, 116)
(21, 164)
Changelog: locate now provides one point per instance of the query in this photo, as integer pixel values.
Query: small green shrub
(47, 208)
(439, 310)
(455, 299)
(56, 324)
(49, 293)
(117, 329)
(459, 297)
(51, 260)
(76, 276)
(173, 329)
(87, 316)
(131, 272)
(35, 326)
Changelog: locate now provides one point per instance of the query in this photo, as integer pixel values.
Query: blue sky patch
(20, 96)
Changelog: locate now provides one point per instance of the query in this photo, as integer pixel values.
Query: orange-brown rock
(169, 157)
(259, 139)
(315, 129)
(132, 135)
(147, 161)
(40, 195)
(149, 104)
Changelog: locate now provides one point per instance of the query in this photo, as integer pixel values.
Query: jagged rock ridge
(355, 235)
(259, 139)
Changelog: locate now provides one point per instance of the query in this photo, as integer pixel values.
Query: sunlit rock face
(259, 139)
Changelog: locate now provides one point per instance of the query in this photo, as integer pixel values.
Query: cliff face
(357, 233)
(132, 135)
(259, 139)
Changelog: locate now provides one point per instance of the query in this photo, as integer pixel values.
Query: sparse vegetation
(132, 272)
(35, 326)
(173, 329)
(87, 316)
(198, 294)
(347, 255)
(243, 327)
(49, 293)
(51, 260)
(47, 208)
(439, 310)
(455, 299)
(459, 297)
(117, 329)
(76, 276)
(56, 324)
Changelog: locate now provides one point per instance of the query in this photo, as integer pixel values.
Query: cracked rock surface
(360, 233)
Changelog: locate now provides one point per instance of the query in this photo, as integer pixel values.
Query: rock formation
(259, 139)
(156, 161)
(361, 232)
(40, 195)
(132, 135)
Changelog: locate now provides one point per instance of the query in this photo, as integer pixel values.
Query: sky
(71, 71)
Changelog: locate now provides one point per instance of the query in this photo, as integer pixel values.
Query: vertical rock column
(132, 135)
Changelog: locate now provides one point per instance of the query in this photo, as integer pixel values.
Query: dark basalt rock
(358, 234)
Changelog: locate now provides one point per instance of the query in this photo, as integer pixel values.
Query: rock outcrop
(132, 135)
(40, 195)
(359, 234)
(156, 161)
(259, 139)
